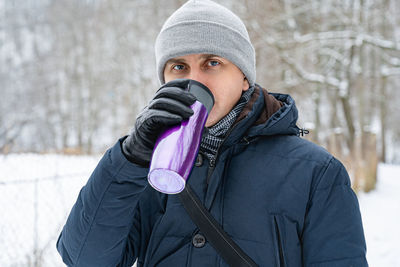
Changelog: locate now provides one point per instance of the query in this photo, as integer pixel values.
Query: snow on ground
(380, 210)
(38, 191)
(36, 195)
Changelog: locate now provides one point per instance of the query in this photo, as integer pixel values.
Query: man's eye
(213, 63)
(178, 67)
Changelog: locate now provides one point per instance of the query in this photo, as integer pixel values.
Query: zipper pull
(212, 163)
(246, 140)
(303, 131)
(210, 170)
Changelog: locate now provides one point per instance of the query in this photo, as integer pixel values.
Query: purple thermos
(176, 148)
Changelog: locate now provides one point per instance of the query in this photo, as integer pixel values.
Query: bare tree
(91, 67)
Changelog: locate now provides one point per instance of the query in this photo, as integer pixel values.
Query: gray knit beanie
(205, 27)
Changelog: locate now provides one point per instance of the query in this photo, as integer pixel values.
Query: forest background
(75, 73)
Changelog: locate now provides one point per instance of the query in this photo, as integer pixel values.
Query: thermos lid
(202, 94)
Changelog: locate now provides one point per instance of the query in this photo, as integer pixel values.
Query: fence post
(36, 261)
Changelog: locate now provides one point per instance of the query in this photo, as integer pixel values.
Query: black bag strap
(219, 239)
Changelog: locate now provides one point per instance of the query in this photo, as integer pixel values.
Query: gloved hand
(169, 107)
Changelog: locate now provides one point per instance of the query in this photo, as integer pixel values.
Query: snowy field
(36, 195)
(38, 191)
(380, 211)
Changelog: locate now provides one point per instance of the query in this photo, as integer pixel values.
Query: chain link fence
(33, 213)
(34, 208)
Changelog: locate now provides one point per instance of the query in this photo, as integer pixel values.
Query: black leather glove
(170, 106)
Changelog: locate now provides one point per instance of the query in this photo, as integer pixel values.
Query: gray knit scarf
(212, 140)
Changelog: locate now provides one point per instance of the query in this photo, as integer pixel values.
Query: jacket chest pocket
(287, 245)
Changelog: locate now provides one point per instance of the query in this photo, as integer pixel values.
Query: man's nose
(197, 75)
(201, 77)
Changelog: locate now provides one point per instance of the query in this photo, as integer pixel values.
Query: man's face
(222, 77)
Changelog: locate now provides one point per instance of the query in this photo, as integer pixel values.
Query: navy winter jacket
(283, 200)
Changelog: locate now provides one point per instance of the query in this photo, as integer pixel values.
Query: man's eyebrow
(206, 56)
(182, 60)
(175, 60)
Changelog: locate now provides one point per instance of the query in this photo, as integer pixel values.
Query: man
(283, 200)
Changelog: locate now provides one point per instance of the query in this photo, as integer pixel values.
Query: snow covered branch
(359, 38)
(314, 77)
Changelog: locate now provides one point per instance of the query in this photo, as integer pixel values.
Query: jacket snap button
(199, 160)
(199, 241)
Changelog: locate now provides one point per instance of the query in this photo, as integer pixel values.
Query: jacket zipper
(212, 164)
(278, 235)
(211, 168)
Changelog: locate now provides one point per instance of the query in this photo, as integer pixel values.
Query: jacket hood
(266, 114)
(282, 121)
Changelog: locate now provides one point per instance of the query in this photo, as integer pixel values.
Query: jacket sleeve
(104, 215)
(333, 233)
